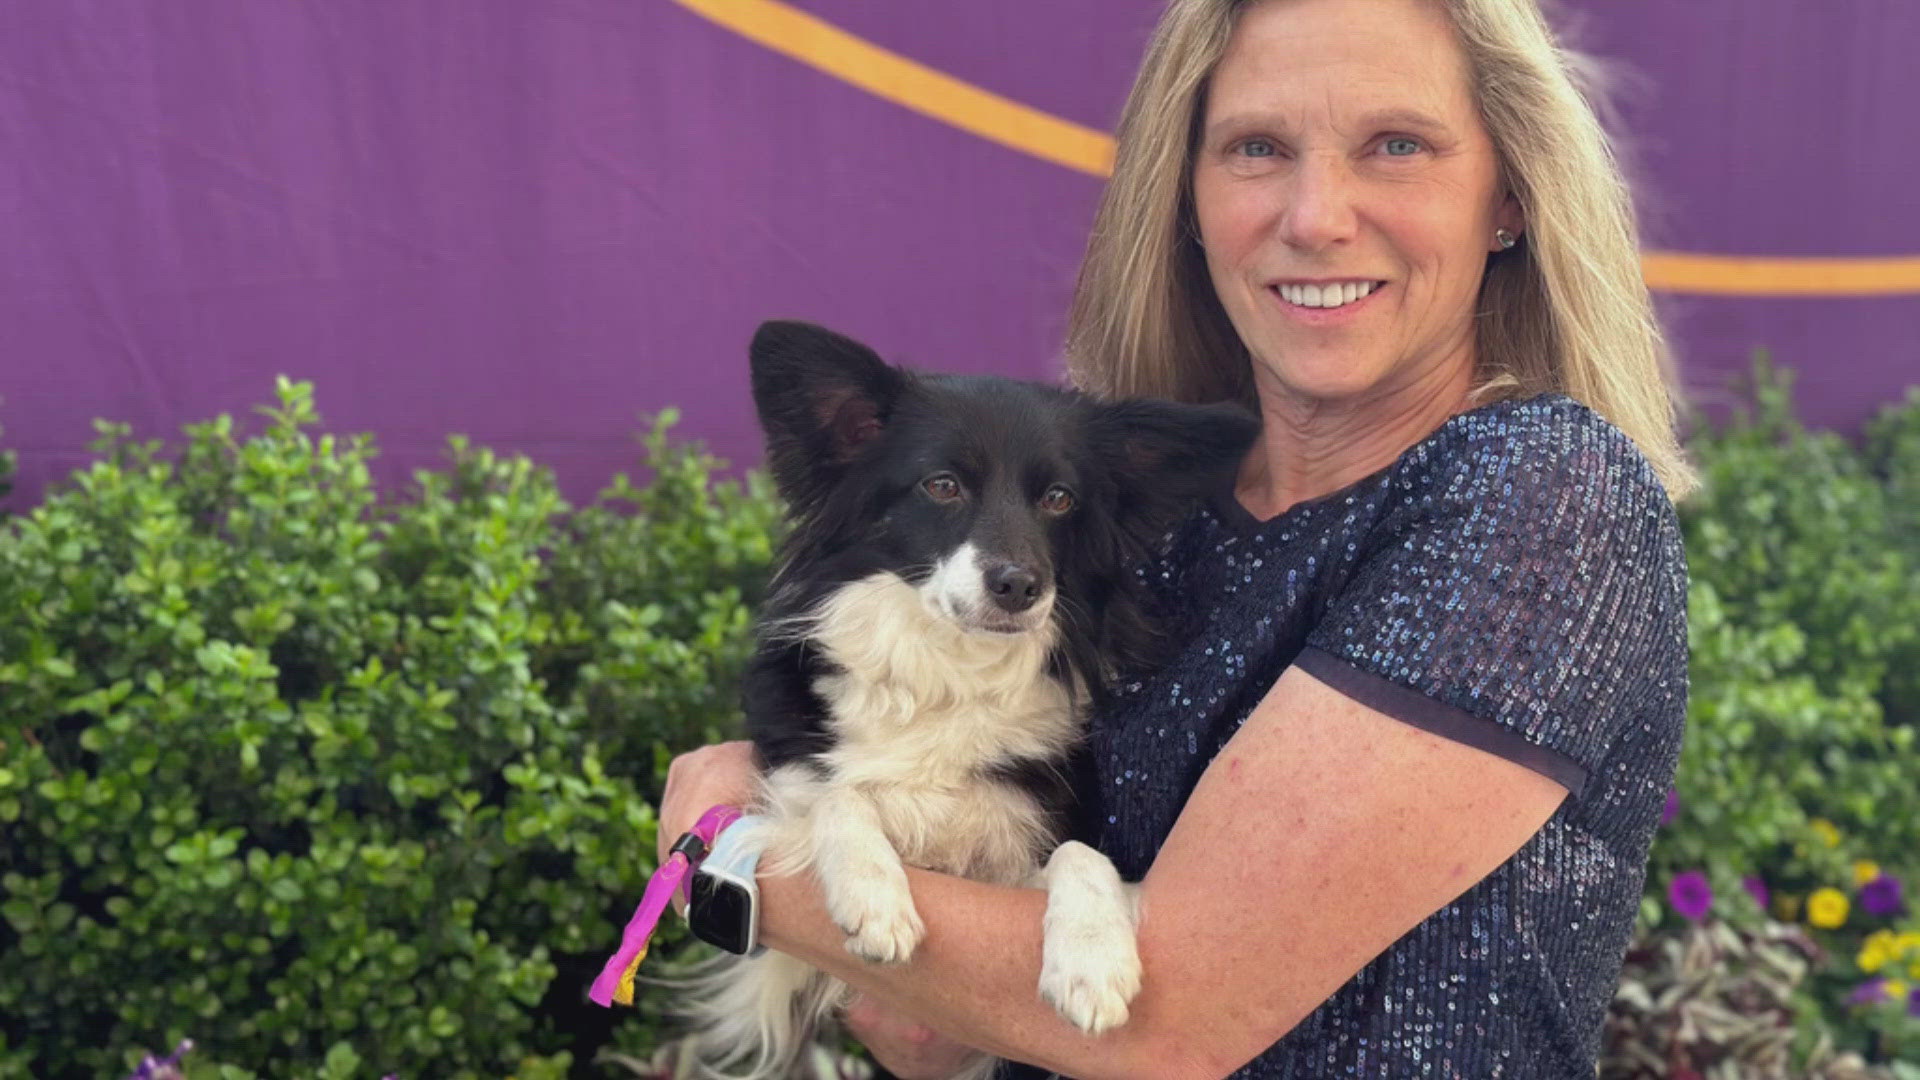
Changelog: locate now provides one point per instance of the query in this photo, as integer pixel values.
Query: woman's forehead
(1358, 59)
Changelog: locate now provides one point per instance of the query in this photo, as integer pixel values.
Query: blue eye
(1258, 148)
(1400, 146)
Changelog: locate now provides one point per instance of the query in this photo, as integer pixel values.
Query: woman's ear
(1509, 217)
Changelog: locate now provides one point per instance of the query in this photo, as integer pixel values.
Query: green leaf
(341, 1062)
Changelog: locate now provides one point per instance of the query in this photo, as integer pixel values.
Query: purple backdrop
(532, 223)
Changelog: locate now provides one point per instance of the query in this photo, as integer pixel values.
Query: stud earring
(1504, 238)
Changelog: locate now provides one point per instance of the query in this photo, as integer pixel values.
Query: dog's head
(997, 499)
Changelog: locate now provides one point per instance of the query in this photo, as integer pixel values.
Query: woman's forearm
(975, 977)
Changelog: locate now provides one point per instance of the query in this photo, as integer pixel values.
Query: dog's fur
(956, 587)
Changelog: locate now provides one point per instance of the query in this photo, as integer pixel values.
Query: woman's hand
(720, 775)
(906, 1048)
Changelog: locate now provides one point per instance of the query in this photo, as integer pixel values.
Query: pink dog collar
(616, 978)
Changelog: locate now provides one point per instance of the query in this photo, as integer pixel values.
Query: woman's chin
(1318, 378)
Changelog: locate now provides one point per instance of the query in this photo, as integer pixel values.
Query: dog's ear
(821, 398)
(1170, 454)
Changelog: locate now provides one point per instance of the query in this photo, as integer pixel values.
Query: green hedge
(341, 787)
(338, 787)
(1804, 603)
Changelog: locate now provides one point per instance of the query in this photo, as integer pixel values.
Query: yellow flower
(1827, 908)
(1864, 871)
(1913, 969)
(1907, 939)
(1786, 906)
(1875, 952)
(1896, 990)
(1828, 834)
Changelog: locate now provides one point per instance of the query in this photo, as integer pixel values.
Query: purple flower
(1673, 807)
(1871, 992)
(1913, 1001)
(1758, 890)
(1690, 895)
(152, 1068)
(1881, 896)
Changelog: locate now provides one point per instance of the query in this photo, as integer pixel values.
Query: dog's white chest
(923, 711)
(917, 698)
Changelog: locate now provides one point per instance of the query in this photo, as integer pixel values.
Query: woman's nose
(1319, 203)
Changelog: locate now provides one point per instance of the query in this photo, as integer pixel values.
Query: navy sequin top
(1514, 581)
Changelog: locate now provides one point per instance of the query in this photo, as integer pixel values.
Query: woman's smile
(1334, 302)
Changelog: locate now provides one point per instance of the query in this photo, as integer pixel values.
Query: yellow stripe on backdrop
(913, 85)
(1728, 275)
(887, 74)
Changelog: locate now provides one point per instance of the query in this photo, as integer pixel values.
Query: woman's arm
(1322, 833)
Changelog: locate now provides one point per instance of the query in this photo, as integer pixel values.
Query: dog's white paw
(1090, 966)
(1091, 983)
(885, 937)
(879, 919)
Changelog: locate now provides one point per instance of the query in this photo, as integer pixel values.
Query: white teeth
(1326, 296)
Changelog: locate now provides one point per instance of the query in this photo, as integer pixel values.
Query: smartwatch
(723, 906)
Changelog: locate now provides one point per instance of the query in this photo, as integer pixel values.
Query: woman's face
(1347, 195)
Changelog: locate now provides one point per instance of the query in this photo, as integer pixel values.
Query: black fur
(850, 441)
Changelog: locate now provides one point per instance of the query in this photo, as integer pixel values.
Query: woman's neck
(1309, 448)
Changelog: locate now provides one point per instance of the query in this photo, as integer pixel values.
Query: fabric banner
(532, 223)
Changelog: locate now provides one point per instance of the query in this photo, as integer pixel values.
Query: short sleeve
(1524, 593)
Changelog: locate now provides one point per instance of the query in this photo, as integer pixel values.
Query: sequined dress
(1514, 581)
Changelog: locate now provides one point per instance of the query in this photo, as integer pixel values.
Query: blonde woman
(1391, 807)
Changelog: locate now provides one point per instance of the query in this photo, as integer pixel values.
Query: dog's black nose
(1014, 588)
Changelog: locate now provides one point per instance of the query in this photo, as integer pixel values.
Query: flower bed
(1797, 801)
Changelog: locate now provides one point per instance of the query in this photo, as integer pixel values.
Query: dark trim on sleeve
(1438, 718)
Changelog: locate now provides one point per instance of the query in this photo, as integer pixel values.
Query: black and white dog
(956, 587)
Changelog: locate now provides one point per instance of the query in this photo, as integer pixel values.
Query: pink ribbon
(615, 982)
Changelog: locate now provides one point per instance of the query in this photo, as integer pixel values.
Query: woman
(1391, 809)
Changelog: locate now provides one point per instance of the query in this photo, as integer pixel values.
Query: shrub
(1893, 455)
(1803, 600)
(7, 466)
(341, 787)
(1805, 612)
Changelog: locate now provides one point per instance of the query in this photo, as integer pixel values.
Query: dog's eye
(942, 487)
(1057, 500)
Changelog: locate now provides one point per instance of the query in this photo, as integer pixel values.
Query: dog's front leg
(864, 881)
(1090, 956)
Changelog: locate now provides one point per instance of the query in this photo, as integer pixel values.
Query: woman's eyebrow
(1245, 120)
(1379, 118)
(1402, 117)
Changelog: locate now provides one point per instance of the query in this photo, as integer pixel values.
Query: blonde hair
(1567, 310)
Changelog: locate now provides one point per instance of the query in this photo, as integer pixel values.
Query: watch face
(721, 913)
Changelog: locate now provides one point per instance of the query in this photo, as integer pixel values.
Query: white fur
(1090, 965)
(864, 880)
(957, 589)
(921, 706)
